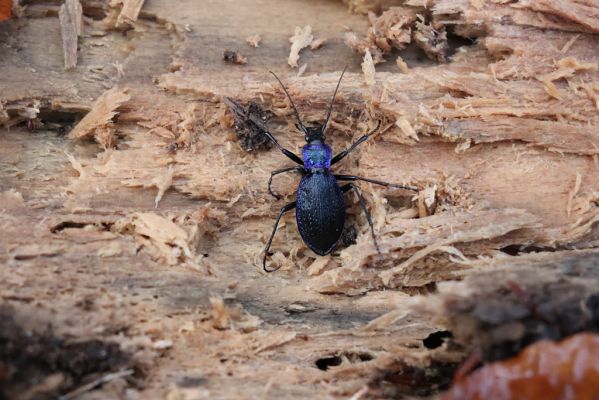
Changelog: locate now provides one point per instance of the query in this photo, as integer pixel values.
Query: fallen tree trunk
(143, 226)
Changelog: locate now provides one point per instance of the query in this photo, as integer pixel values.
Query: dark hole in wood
(436, 339)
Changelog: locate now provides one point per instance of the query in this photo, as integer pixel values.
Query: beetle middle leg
(350, 186)
(358, 142)
(387, 184)
(284, 209)
(280, 171)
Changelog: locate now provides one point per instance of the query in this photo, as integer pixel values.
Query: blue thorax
(316, 155)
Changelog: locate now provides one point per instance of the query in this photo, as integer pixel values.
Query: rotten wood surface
(143, 225)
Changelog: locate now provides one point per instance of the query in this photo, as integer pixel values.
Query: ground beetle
(320, 209)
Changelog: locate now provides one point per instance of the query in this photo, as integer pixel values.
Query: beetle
(320, 208)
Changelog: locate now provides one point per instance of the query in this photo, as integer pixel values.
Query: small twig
(100, 381)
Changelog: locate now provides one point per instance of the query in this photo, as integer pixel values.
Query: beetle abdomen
(320, 212)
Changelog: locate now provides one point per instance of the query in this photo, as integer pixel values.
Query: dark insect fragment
(234, 57)
(250, 133)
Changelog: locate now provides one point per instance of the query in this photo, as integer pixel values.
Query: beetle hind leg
(284, 209)
(351, 186)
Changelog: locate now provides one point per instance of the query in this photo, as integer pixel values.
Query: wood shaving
(166, 241)
(163, 183)
(403, 67)
(301, 70)
(317, 43)
(98, 122)
(254, 40)
(318, 265)
(368, 69)
(406, 128)
(302, 38)
(226, 317)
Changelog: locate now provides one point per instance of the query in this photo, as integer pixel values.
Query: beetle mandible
(320, 208)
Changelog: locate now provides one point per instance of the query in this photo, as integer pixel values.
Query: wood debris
(166, 241)
(254, 40)
(98, 123)
(250, 124)
(403, 66)
(129, 12)
(506, 159)
(497, 311)
(232, 317)
(432, 39)
(317, 43)
(234, 57)
(391, 30)
(302, 38)
(71, 26)
(368, 69)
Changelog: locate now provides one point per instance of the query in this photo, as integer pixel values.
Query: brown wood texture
(129, 212)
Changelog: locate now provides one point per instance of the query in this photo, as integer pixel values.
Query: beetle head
(314, 133)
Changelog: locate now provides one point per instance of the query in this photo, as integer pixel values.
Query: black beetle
(320, 213)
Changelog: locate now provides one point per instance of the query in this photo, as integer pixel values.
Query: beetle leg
(348, 187)
(358, 142)
(258, 122)
(284, 209)
(358, 178)
(280, 171)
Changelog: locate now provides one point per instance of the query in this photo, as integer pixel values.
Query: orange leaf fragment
(545, 370)
(5, 9)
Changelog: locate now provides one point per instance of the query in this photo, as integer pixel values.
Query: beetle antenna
(333, 101)
(299, 121)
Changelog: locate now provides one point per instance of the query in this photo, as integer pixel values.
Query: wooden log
(150, 237)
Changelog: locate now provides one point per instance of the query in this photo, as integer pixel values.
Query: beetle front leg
(358, 142)
(358, 178)
(280, 171)
(346, 188)
(295, 158)
(285, 208)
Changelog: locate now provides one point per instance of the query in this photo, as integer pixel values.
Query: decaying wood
(71, 24)
(501, 309)
(151, 237)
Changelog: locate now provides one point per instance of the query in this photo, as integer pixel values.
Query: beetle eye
(307, 138)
